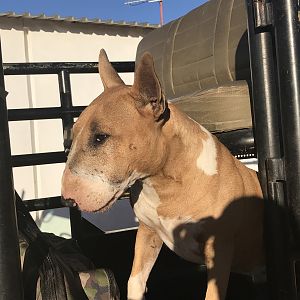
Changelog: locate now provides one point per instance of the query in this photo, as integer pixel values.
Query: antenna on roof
(138, 2)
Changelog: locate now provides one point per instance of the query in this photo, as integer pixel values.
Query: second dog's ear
(147, 84)
(108, 74)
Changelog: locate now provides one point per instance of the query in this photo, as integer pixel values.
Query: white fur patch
(146, 210)
(207, 159)
(146, 206)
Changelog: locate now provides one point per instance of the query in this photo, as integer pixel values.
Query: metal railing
(66, 112)
(274, 44)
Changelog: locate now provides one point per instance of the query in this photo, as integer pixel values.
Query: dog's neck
(185, 140)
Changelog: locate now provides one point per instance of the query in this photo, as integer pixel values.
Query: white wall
(25, 40)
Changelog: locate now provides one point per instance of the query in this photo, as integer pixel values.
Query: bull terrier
(188, 191)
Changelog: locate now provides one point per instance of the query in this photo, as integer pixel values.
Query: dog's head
(117, 139)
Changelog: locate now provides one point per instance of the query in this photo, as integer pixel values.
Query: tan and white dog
(189, 192)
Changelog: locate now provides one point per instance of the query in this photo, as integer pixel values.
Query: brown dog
(189, 191)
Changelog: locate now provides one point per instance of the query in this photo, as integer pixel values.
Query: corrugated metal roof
(77, 20)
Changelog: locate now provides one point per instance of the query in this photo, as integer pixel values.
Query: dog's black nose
(68, 202)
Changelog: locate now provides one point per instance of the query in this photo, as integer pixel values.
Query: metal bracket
(68, 139)
(276, 176)
(3, 93)
(263, 13)
(275, 169)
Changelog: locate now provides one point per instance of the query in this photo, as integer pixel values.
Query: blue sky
(103, 9)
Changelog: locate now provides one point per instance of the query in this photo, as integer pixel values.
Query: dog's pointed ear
(108, 74)
(147, 84)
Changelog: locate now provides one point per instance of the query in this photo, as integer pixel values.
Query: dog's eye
(100, 138)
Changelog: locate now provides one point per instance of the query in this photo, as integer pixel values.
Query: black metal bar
(57, 67)
(66, 103)
(10, 270)
(268, 143)
(53, 202)
(24, 160)
(288, 49)
(65, 97)
(43, 203)
(264, 94)
(43, 113)
(239, 142)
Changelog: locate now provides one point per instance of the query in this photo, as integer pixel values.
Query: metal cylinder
(10, 272)
(264, 95)
(287, 49)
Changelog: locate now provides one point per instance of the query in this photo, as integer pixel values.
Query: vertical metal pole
(288, 51)
(161, 12)
(264, 94)
(10, 271)
(67, 120)
(268, 143)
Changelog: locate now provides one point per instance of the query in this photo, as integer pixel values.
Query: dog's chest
(146, 206)
(170, 230)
